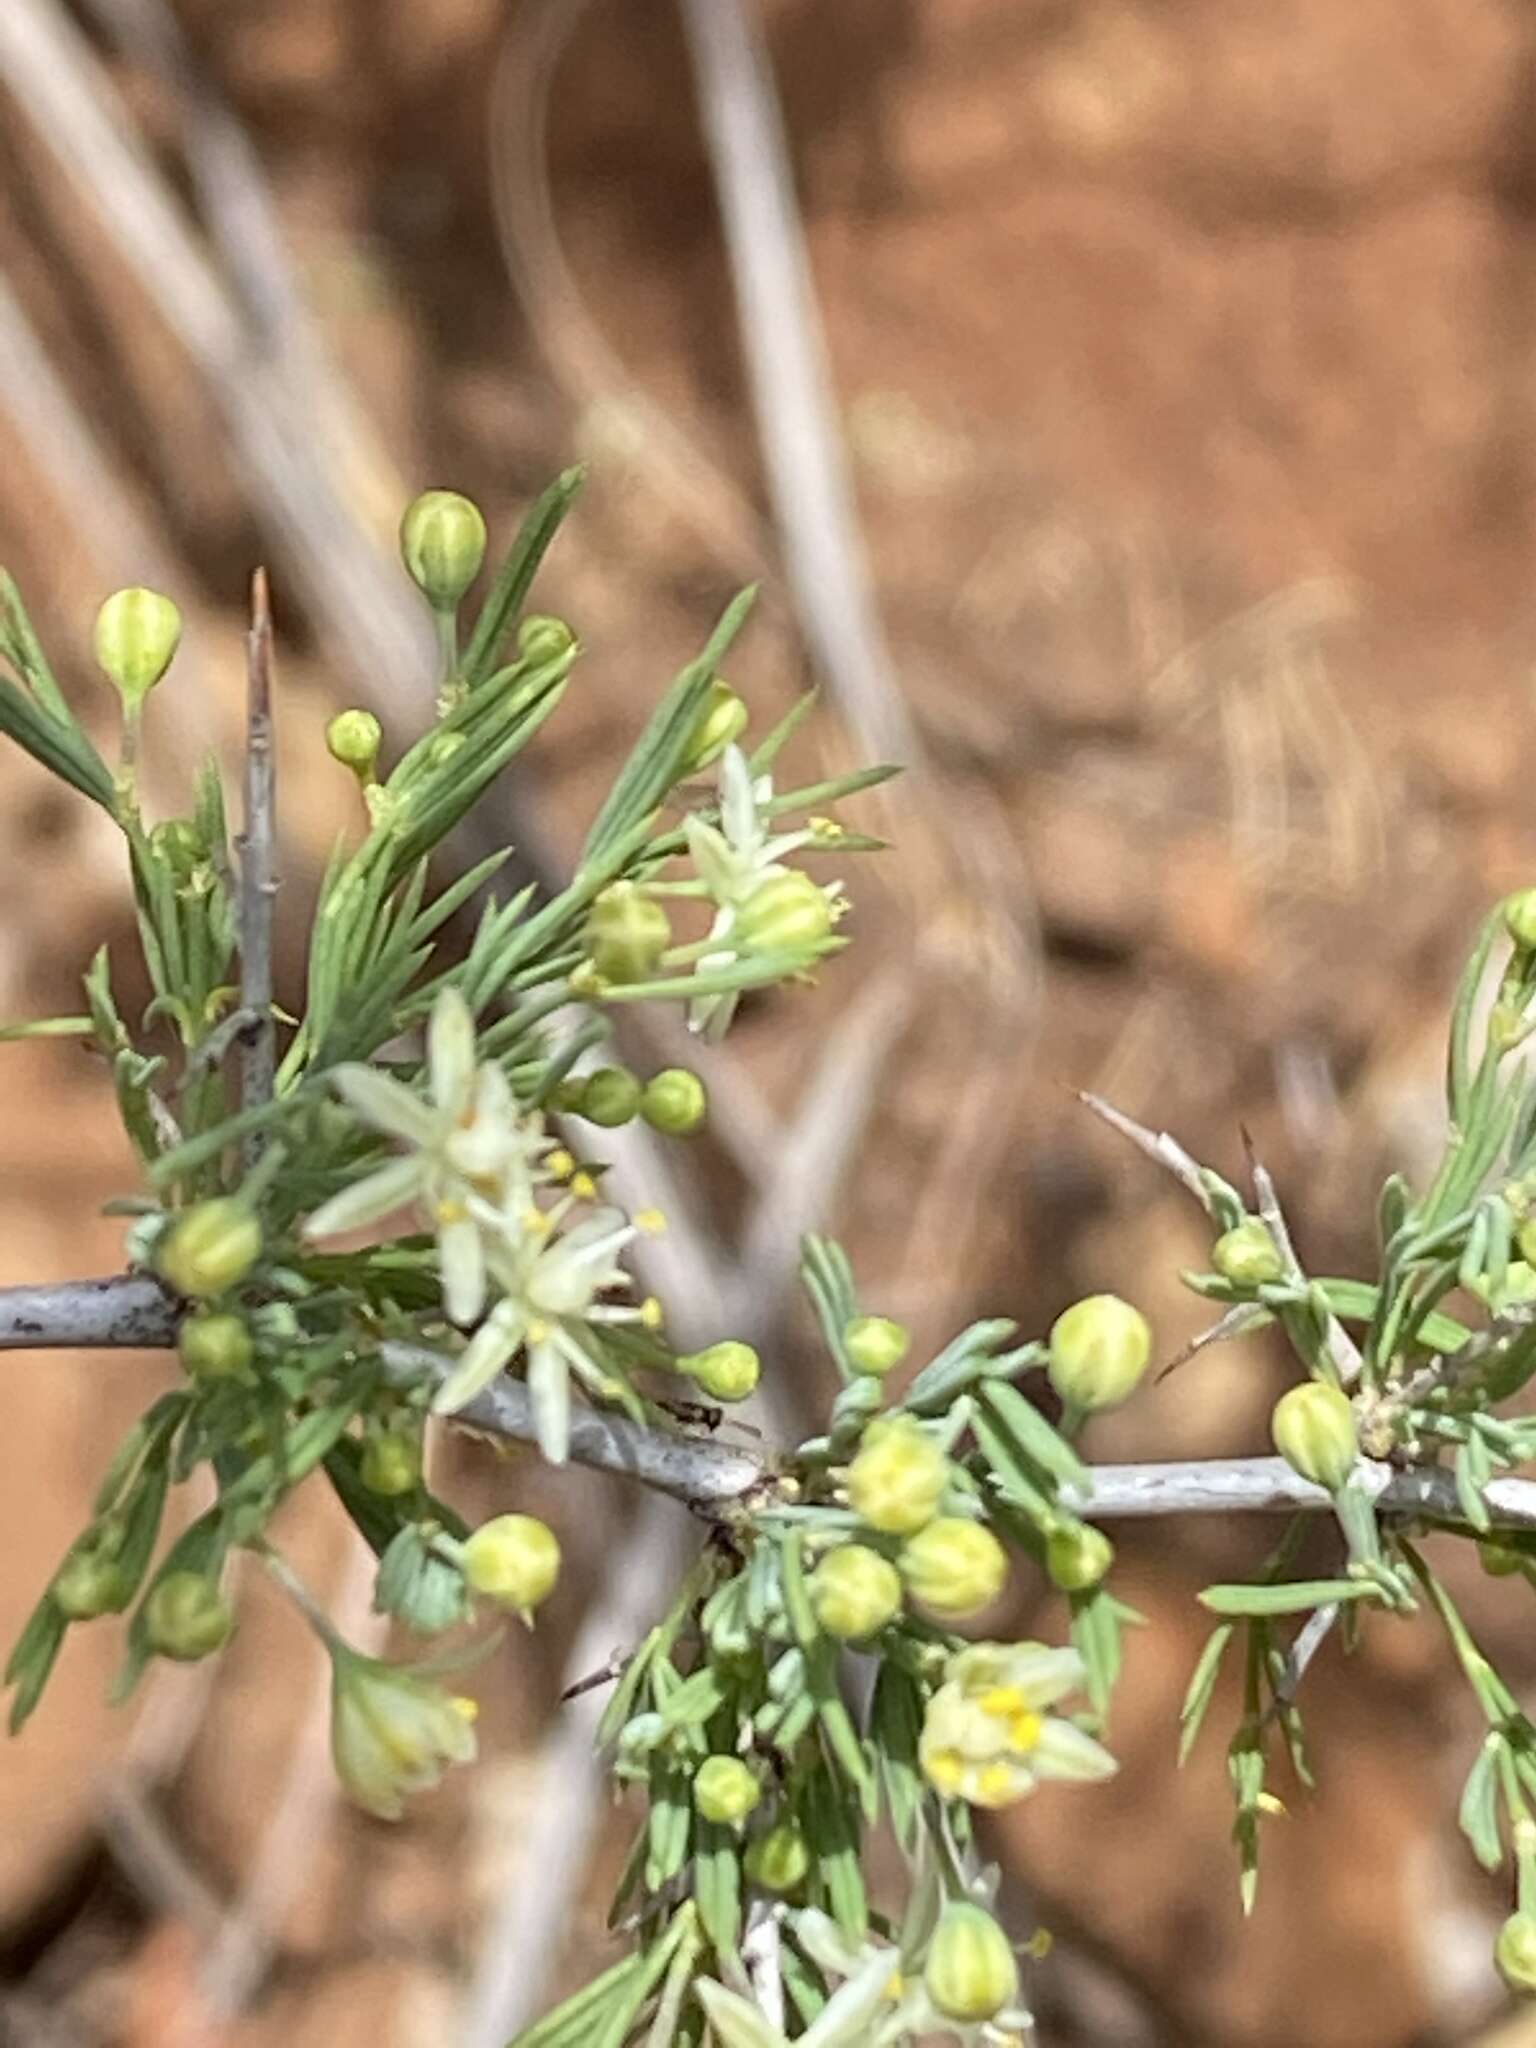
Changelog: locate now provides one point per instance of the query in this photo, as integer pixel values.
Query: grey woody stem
(133, 1312)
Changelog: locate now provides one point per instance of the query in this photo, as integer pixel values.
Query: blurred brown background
(1182, 360)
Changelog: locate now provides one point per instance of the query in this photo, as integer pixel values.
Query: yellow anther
(467, 1709)
(583, 1186)
(538, 1332)
(1024, 1732)
(535, 1222)
(895, 1986)
(560, 1163)
(450, 1212)
(993, 1784)
(945, 1769)
(651, 1221)
(1002, 1701)
(652, 1315)
(827, 829)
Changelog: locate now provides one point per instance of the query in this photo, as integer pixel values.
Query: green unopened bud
(778, 1860)
(210, 1248)
(1498, 1560)
(1100, 1347)
(785, 914)
(1247, 1255)
(875, 1344)
(725, 1790)
(675, 1102)
(1514, 1952)
(723, 719)
(391, 1463)
(1527, 1240)
(442, 543)
(898, 1477)
(187, 1617)
(89, 1583)
(855, 1592)
(353, 738)
(727, 1371)
(610, 1097)
(513, 1560)
(1314, 1431)
(1520, 919)
(1078, 1558)
(627, 933)
(542, 639)
(137, 634)
(179, 844)
(955, 1567)
(215, 1347)
(971, 1974)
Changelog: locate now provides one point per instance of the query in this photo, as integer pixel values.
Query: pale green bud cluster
(1078, 1558)
(442, 543)
(391, 1462)
(353, 738)
(779, 1859)
(898, 1478)
(723, 719)
(876, 1345)
(1247, 1255)
(513, 1560)
(727, 1371)
(1514, 1951)
(1100, 1348)
(1313, 1427)
(626, 933)
(187, 1617)
(854, 1592)
(674, 1102)
(210, 1248)
(541, 639)
(786, 914)
(725, 1790)
(1520, 919)
(971, 1973)
(954, 1567)
(215, 1345)
(137, 634)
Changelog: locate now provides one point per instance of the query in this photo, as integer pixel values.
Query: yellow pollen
(583, 1186)
(560, 1163)
(827, 829)
(1266, 1802)
(535, 1222)
(450, 1212)
(994, 1782)
(538, 1332)
(1002, 1700)
(895, 1986)
(651, 1221)
(1024, 1732)
(467, 1709)
(944, 1769)
(651, 1313)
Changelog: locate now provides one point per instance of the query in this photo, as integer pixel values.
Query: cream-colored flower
(550, 1282)
(393, 1732)
(472, 1155)
(987, 1737)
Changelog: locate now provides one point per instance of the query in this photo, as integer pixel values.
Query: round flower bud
(215, 1346)
(785, 914)
(1514, 1952)
(627, 933)
(1520, 918)
(210, 1248)
(610, 1097)
(88, 1584)
(137, 633)
(855, 1592)
(727, 1371)
(897, 1480)
(723, 719)
(971, 1973)
(442, 543)
(778, 1860)
(542, 639)
(1498, 1560)
(725, 1790)
(1247, 1254)
(1100, 1347)
(179, 844)
(187, 1617)
(514, 1560)
(674, 1102)
(954, 1567)
(875, 1345)
(352, 738)
(1314, 1431)
(391, 1463)
(1078, 1558)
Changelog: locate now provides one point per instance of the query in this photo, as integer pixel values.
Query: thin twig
(1159, 1147)
(258, 882)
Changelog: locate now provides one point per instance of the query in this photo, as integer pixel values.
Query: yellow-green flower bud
(391, 1462)
(1078, 1558)
(785, 914)
(1498, 1560)
(627, 933)
(954, 1567)
(898, 1478)
(1100, 1347)
(875, 1345)
(1247, 1255)
(727, 1371)
(674, 1102)
(1514, 1952)
(855, 1592)
(1520, 919)
(610, 1097)
(541, 639)
(725, 1790)
(1527, 1240)
(513, 1560)
(723, 719)
(392, 1732)
(1314, 1431)
(353, 738)
(137, 634)
(971, 1974)
(210, 1248)
(442, 543)
(215, 1346)
(87, 1584)
(778, 1860)
(187, 1617)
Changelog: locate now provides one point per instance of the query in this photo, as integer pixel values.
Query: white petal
(1066, 1752)
(462, 1259)
(828, 1947)
(484, 1357)
(376, 1195)
(451, 1051)
(712, 858)
(385, 1103)
(549, 1388)
(844, 2020)
(738, 802)
(737, 2021)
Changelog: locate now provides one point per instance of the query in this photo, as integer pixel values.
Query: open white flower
(847, 2020)
(550, 1282)
(986, 1735)
(471, 1153)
